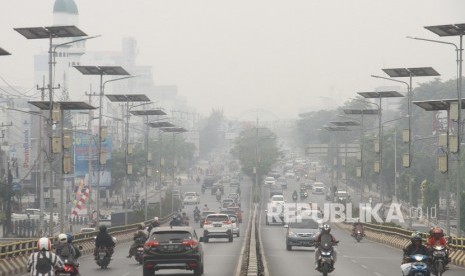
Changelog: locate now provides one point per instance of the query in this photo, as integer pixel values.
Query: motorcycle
(69, 269)
(358, 234)
(103, 257)
(438, 266)
(139, 255)
(218, 198)
(417, 266)
(196, 217)
(325, 260)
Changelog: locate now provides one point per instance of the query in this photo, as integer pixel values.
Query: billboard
(82, 141)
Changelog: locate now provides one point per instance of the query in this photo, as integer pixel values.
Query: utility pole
(89, 153)
(41, 163)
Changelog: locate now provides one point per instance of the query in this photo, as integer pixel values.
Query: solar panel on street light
(361, 111)
(161, 124)
(45, 105)
(380, 94)
(4, 52)
(414, 72)
(102, 70)
(128, 98)
(148, 112)
(447, 30)
(50, 32)
(345, 123)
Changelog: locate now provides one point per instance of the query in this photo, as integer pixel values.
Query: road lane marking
(364, 266)
(378, 274)
(354, 261)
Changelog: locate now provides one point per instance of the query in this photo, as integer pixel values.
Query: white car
(217, 226)
(289, 174)
(277, 199)
(318, 188)
(269, 181)
(191, 198)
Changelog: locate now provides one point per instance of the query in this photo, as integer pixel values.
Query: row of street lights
(449, 105)
(51, 33)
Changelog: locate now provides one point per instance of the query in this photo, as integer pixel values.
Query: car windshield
(167, 236)
(307, 224)
(217, 218)
(277, 198)
(190, 194)
(269, 179)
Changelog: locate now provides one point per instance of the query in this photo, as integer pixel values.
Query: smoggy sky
(285, 57)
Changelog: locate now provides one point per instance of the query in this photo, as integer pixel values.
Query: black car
(173, 248)
(209, 180)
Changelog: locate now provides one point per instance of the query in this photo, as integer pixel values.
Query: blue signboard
(81, 159)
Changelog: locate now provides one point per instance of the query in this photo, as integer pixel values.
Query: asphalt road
(221, 257)
(364, 258)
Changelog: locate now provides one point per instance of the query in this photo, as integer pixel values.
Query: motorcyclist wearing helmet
(139, 238)
(357, 225)
(44, 262)
(176, 220)
(205, 208)
(184, 219)
(196, 211)
(104, 239)
(415, 247)
(324, 235)
(63, 249)
(155, 223)
(436, 237)
(77, 251)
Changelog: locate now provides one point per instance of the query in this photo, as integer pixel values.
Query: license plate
(218, 225)
(170, 247)
(102, 254)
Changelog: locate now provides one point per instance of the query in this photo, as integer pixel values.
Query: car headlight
(292, 234)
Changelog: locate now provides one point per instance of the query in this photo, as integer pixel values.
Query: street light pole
(455, 30)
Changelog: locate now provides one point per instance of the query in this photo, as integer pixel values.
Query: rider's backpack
(43, 265)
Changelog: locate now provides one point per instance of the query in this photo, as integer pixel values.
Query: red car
(238, 211)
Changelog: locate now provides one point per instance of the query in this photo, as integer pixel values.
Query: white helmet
(155, 218)
(62, 238)
(44, 244)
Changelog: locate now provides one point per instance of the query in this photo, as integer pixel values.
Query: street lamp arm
(74, 41)
(436, 41)
(380, 77)
(117, 79)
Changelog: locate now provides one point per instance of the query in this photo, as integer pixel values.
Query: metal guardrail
(14, 249)
(456, 243)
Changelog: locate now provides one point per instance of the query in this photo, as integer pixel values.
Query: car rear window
(206, 213)
(217, 218)
(307, 224)
(167, 236)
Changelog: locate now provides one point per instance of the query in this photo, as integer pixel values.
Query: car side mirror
(286, 226)
(201, 239)
(266, 211)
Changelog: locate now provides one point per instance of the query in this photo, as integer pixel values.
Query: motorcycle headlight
(323, 253)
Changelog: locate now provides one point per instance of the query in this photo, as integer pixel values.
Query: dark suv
(173, 248)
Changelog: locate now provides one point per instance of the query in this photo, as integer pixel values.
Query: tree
(256, 147)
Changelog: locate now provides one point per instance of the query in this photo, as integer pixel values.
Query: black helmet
(415, 237)
(326, 228)
(103, 228)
